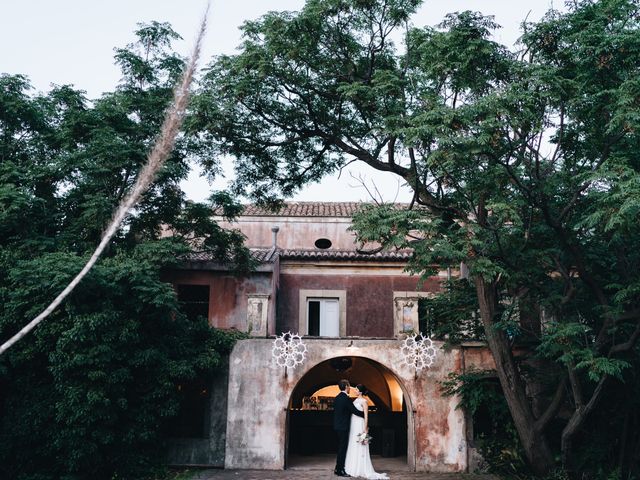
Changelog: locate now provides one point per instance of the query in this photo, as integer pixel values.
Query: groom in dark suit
(343, 407)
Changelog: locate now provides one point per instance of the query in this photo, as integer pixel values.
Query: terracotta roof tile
(259, 254)
(265, 255)
(389, 255)
(309, 209)
(306, 209)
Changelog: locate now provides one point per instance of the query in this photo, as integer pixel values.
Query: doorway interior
(310, 436)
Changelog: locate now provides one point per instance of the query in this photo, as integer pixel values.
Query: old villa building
(353, 311)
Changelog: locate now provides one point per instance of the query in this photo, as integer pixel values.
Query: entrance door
(323, 316)
(311, 440)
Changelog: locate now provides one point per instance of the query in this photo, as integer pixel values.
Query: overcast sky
(72, 41)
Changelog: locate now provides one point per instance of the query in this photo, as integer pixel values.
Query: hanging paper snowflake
(418, 351)
(288, 350)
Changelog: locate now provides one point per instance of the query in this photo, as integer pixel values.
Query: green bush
(91, 391)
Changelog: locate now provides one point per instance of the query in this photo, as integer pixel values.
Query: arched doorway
(310, 437)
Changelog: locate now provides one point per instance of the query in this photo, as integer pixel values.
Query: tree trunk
(533, 441)
(566, 439)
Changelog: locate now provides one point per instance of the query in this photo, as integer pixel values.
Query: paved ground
(324, 475)
(320, 467)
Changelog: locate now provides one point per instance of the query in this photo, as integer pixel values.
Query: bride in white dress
(358, 460)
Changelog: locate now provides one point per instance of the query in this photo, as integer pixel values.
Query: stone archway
(260, 393)
(310, 434)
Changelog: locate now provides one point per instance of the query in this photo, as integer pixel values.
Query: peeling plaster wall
(478, 356)
(370, 306)
(259, 392)
(228, 294)
(295, 232)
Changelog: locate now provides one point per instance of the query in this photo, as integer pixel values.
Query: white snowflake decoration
(418, 351)
(288, 350)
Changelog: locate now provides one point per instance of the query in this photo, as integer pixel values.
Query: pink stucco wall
(369, 299)
(295, 232)
(435, 427)
(228, 294)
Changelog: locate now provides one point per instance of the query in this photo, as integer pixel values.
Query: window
(193, 418)
(323, 313)
(406, 312)
(323, 317)
(194, 300)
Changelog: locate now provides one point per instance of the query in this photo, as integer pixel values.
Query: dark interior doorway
(310, 423)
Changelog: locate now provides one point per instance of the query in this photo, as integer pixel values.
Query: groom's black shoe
(342, 473)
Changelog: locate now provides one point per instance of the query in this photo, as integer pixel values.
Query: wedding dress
(358, 461)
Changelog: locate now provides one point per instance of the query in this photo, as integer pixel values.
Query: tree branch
(576, 388)
(628, 345)
(553, 407)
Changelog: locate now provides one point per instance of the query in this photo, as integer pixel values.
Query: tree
(523, 166)
(91, 391)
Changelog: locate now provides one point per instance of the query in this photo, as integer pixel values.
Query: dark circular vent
(323, 243)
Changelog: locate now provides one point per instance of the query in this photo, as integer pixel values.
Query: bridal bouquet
(363, 438)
